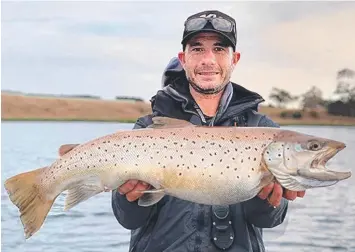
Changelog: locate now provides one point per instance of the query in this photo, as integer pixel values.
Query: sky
(116, 48)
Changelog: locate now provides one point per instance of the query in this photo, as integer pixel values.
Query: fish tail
(25, 192)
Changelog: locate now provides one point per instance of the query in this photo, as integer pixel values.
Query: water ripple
(323, 221)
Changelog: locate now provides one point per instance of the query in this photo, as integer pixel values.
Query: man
(197, 88)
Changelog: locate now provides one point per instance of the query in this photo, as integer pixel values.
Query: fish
(216, 165)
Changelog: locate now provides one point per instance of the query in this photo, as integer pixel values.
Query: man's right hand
(131, 189)
(128, 188)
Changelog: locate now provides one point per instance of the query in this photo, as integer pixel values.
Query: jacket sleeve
(259, 212)
(129, 214)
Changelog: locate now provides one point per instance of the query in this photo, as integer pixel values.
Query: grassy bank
(15, 107)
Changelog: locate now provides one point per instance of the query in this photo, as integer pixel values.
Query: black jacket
(176, 225)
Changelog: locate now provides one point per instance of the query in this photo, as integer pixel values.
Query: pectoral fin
(150, 197)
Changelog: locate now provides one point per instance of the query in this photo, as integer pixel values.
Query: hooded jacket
(176, 225)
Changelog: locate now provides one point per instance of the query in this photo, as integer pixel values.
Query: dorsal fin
(65, 148)
(167, 122)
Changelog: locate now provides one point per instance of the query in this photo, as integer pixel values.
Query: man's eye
(197, 49)
(219, 49)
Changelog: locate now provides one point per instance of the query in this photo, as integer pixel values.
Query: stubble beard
(207, 91)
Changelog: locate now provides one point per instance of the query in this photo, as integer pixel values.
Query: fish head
(298, 161)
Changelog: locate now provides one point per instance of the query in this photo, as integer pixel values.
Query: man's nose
(208, 57)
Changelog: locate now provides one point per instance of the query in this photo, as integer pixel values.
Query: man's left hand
(274, 193)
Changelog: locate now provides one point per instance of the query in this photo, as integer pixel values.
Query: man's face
(208, 62)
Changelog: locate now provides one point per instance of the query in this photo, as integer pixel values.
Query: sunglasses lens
(218, 23)
(222, 24)
(195, 24)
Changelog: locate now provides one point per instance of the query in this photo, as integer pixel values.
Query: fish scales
(188, 162)
(207, 165)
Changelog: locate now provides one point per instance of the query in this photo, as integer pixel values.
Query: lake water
(324, 220)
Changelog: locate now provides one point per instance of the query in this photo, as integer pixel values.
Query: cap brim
(191, 34)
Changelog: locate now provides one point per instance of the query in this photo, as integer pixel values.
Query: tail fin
(26, 193)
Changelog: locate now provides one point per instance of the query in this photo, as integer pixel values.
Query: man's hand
(129, 188)
(276, 192)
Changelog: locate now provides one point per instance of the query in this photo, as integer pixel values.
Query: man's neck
(208, 103)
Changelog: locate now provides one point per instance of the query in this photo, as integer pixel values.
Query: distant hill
(17, 106)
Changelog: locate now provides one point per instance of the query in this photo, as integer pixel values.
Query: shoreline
(128, 121)
(29, 108)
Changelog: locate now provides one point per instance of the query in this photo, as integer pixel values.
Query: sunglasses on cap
(198, 23)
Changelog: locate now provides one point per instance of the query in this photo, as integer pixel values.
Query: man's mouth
(208, 73)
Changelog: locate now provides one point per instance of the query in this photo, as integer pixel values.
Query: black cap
(231, 37)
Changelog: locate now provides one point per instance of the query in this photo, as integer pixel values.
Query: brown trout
(206, 165)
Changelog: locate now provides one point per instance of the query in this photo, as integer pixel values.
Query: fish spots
(241, 160)
(191, 152)
(252, 169)
(227, 166)
(221, 173)
(180, 174)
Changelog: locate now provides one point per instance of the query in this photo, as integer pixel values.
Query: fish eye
(314, 145)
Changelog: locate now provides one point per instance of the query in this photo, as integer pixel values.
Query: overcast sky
(121, 48)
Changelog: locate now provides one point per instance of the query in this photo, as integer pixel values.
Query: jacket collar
(175, 97)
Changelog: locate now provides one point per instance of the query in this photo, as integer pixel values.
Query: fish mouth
(318, 169)
(323, 158)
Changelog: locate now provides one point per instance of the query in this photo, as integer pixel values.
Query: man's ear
(236, 57)
(181, 56)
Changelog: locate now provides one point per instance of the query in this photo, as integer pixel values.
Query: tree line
(312, 99)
